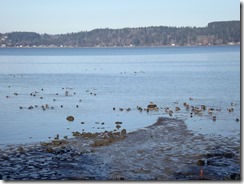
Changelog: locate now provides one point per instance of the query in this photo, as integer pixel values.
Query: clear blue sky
(63, 16)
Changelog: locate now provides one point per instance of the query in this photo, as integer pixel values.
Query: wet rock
(235, 176)
(50, 150)
(76, 134)
(123, 133)
(20, 149)
(70, 118)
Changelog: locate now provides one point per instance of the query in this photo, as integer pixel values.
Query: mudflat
(166, 150)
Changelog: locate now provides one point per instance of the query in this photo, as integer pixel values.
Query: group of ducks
(194, 110)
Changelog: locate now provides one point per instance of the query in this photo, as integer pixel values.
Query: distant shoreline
(163, 46)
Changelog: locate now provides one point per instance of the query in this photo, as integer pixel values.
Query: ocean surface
(99, 79)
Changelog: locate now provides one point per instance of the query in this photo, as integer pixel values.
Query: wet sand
(166, 150)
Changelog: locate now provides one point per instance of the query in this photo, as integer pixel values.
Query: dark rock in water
(70, 118)
(200, 163)
(228, 155)
(235, 176)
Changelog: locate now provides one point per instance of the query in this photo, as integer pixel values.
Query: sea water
(99, 79)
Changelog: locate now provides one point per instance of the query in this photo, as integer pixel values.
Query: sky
(66, 16)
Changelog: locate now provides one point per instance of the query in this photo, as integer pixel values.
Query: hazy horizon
(60, 16)
(118, 28)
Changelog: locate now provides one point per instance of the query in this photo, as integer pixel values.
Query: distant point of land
(215, 33)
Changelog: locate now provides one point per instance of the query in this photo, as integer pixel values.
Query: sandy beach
(166, 150)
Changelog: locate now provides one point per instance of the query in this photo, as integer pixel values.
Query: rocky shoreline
(166, 150)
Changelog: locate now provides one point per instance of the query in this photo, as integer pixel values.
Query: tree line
(215, 33)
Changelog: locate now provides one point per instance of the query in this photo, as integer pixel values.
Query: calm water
(120, 78)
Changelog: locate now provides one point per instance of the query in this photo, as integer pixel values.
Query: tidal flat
(166, 150)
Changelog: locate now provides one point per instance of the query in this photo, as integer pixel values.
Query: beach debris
(70, 118)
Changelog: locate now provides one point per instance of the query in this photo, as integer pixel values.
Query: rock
(228, 155)
(123, 132)
(50, 150)
(20, 149)
(70, 118)
(235, 176)
(57, 142)
(76, 134)
(200, 163)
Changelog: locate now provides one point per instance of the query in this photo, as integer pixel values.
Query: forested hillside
(215, 33)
